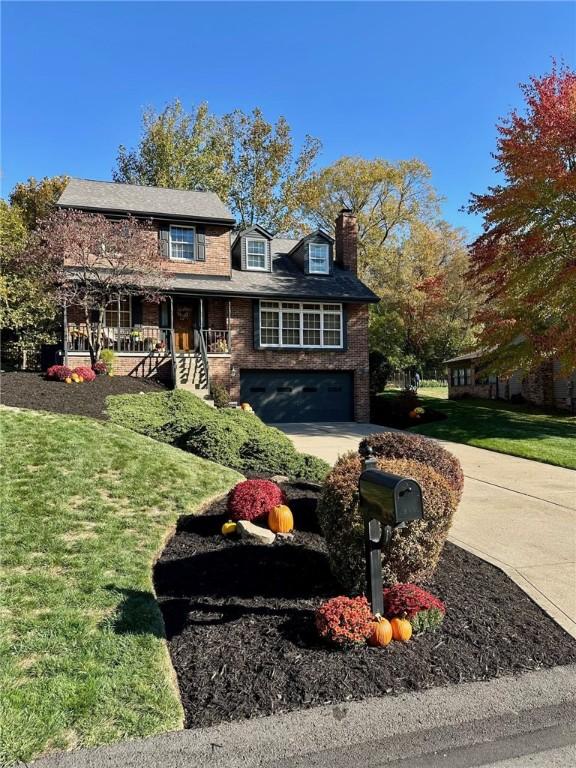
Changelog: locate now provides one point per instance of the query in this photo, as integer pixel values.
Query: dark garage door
(285, 396)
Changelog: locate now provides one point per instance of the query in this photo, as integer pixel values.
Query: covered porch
(178, 324)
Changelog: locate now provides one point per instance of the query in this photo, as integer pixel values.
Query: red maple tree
(524, 263)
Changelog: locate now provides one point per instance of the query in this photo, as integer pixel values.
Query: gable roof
(149, 201)
(305, 239)
(253, 228)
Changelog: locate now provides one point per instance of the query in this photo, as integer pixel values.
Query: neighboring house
(544, 387)
(282, 324)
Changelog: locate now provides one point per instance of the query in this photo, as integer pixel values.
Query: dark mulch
(240, 624)
(33, 390)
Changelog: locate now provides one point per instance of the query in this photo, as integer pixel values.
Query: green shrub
(235, 438)
(311, 468)
(432, 384)
(218, 438)
(399, 445)
(269, 450)
(220, 395)
(414, 550)
(108, 356)
(165, 416)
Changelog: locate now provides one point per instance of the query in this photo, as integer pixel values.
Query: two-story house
(282, 324)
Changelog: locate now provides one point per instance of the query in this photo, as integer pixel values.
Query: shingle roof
(469, 356)
(286, 281)
(129, 198)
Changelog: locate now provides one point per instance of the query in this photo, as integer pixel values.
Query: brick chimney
(347, 241)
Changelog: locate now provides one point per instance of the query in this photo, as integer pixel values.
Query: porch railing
(216, 342)
(143, 339)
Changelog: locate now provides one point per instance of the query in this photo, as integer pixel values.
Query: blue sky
(394, 80)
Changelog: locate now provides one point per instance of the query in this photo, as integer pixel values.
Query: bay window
(298, 324)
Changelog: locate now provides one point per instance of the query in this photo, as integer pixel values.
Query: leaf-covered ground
(86, 508)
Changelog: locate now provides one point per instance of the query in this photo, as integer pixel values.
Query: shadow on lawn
(138, 613)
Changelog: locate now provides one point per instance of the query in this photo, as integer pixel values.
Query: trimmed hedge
(414, 551)
(399, 445)
(232, 437)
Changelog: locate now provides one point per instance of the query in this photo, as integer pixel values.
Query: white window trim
(177, 258)
(300, 310)
(257, 240)
(324, 271)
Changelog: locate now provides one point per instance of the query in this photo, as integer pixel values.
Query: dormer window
(256, 254)
(318, 258)
(182, 243)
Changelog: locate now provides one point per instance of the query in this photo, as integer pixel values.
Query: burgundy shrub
(422, 609)
(86, 373)
(344, 620)
(254, 499)
(100, 368)
(59, 372)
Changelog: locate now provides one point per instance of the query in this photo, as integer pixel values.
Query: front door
(184, 321)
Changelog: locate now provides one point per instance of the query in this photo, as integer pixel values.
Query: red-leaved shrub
(100, 367)
(423, 610)
(86, 373)
(254, 499)
(58, 372)
(343, 620)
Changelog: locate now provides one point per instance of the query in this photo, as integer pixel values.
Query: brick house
(282, 324)
(545, 387)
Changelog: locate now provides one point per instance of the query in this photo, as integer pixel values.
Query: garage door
(285, 396)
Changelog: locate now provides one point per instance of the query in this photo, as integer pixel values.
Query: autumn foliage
(524, 263)
(254, 499)
(344, 620)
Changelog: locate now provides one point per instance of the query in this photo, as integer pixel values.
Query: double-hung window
(306, 325)
(113, 319)
(460, 377)
(182, 243)
(318, 258)
(255, 254)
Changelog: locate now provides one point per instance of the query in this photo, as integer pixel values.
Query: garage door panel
(285, 396)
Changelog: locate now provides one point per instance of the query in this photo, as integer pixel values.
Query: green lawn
(518, 430)
(86, 507)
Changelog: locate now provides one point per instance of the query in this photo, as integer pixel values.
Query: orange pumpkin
(280, 519)
(381, 633)
(401, 629)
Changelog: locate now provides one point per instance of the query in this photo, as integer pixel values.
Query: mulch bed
(240, 624)
(33, 390)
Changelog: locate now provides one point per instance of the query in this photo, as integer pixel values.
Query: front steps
(191, 375)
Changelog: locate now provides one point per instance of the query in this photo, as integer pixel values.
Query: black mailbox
(387, 501)
(390, 499)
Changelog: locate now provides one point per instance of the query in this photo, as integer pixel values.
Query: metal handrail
(173, 358)
(204, 356)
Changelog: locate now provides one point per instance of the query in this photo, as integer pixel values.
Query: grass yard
(518, 430)
(86, 508)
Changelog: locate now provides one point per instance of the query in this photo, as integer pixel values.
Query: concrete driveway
(515, 513)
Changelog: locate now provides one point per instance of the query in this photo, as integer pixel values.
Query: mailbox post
(387, 502)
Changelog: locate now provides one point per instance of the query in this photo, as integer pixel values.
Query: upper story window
(292, 324)
(318, 258)
(182, 243)
(255, 253)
